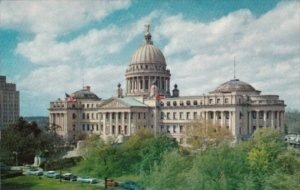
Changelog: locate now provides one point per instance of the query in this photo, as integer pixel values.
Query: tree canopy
(25, 140)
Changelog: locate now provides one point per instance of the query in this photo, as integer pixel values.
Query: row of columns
(58, 120)
(140, 83)
(113, 125)
(275, 119)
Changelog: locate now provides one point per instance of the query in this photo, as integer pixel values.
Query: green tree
(201, 134)
(26, 140)
(169, 174)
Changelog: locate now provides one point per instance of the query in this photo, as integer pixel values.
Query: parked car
(34, 171)
(112, 183)
(131, 185)
(86, 179)
(69, 177)
(52, 174)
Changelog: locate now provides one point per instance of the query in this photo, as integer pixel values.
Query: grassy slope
(34, 183)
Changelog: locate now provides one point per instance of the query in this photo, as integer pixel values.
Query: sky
(49, 48)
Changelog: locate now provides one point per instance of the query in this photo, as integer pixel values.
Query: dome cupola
(147, 64)
(234, 85)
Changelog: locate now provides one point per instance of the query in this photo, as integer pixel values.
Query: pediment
(113, 103)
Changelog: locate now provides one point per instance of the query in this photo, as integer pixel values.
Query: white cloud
(87, 48)
(266, 48)
(55, 17)
(54, 81)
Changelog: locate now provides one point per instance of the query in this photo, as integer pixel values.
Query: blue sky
(50, 47)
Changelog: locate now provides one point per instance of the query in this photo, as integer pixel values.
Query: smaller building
(9, 102)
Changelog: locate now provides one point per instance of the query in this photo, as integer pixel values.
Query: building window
(180, 128)
(168, 103)
(73, 105)
(195, 103)
(218, 101)
(188, 102)
(119, 115)
(174, 129)
(74, 127)
(92, 115)
(139, 115)
(144, 115)
(254, 115)
(88, 105)
(174, 115)
(181, 103)
(73, 116)
(125, 128)
(83, 127)
(113, 129)
(187, 115)
(226, 100)
(174, 103)
(210, 101)
(162, 114)
(97, 127)
(125, 115)
(168, 129)
(87, 127)
(168, 115)
(83, 116)
(227, 115)
(181, 115)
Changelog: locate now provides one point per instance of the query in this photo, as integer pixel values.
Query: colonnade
(144, 83)
(115, 123)
(58, 120)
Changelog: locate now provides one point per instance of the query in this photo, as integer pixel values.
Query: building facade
(9, 102)
(149, 103)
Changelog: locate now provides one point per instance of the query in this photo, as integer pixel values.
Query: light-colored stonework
(235, 105)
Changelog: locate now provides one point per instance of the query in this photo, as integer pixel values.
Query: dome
(148, 53)
(234, 85)
(85, 93)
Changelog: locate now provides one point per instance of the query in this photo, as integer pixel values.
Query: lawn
(35, 183)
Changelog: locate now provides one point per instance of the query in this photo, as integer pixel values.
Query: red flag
(71, 99)
(160, 97)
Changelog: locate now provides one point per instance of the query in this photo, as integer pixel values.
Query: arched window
(195, 103)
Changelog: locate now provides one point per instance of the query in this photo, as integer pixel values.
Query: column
(117, 123)
(144, 84)
(257, 119)
(249, 123)
(282, 121)
(277, 120)
(123, 122)
(129, 123)
(110, 123)
(215, 117)
(265, 119)
(223, 119)
(272, 119)
(104, 122)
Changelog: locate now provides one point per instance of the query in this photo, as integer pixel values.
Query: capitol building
(148, 101)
